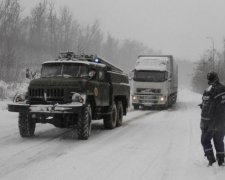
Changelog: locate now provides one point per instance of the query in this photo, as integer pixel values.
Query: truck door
(102, 91)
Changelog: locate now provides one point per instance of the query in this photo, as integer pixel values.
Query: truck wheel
(170, 103)
(84, 124)
(111, 119)
(119, 114)
(26, 125)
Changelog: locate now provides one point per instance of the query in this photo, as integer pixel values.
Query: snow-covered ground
(151, 145)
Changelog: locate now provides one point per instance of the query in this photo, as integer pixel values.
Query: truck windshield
(150, 76)
(67, 69)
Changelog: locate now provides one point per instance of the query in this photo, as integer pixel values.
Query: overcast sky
(177, 27)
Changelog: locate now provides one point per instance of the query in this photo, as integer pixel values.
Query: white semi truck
(154, 82)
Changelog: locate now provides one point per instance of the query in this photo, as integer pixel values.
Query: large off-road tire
(110, 120)
(26, 125)
(175, 99)
(170, 101)
(84, 123)
(119, 121)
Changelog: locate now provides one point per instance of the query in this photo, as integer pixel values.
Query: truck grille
(46, 94)
(148, 99)
(56, 92)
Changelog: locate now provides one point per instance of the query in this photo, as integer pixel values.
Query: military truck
(72, 91)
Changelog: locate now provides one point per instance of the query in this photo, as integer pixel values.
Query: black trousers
(217, 137)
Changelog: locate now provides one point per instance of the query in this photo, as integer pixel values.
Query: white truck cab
(155, 81)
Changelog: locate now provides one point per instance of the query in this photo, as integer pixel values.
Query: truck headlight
(19, 97)
(134, 98)
(76, 97)
(162, 98)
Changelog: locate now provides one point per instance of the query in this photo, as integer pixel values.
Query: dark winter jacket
(213, 108)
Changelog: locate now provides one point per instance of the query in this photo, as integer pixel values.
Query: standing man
(213, 119)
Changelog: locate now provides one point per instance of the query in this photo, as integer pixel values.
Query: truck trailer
(154, 81)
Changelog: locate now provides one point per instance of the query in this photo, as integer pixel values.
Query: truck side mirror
(92, 74)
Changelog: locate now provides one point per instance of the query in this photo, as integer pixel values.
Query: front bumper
(149, 100)
(46, 109)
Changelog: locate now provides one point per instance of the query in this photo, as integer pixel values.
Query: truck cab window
(150, 76)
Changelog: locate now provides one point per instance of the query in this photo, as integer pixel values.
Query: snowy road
(156, 145)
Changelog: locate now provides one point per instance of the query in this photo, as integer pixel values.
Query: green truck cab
(71, 92)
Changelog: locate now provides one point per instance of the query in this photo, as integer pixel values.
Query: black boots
(211, 158)
(221, 163)
(220, 159)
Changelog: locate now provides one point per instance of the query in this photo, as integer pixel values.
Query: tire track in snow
(162, 165)
(132, 143)
(29, 155)
(38, 149)
(159, 162)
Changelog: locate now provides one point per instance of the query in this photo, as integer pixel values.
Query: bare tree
(65, 27)
(110, 48)
(38, 25)
(9, 33)
(52, 23)
(91, 39)
(95, 38)
(45, 32)
(203, 67)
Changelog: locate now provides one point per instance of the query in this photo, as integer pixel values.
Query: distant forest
(40, 36)
(28, 40)
(211, 60)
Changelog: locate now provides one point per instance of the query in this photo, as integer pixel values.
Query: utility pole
(213, 58)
